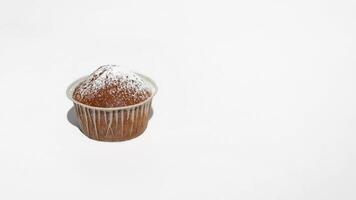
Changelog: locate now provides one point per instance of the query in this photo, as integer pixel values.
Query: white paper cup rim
(152, 85)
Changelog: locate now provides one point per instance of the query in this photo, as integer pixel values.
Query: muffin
(112, 103)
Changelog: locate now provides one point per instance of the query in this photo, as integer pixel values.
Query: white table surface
(256, 99)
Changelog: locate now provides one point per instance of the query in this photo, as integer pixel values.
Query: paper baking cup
(113, 124)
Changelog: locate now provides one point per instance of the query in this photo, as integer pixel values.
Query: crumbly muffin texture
(112, 86)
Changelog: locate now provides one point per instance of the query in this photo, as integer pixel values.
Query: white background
(256, 99)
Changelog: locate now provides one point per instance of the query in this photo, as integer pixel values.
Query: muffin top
(112, 86)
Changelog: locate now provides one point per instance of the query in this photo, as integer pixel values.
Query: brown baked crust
(110, 86)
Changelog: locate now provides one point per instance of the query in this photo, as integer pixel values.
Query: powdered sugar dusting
(123, 84)
(109, 75)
